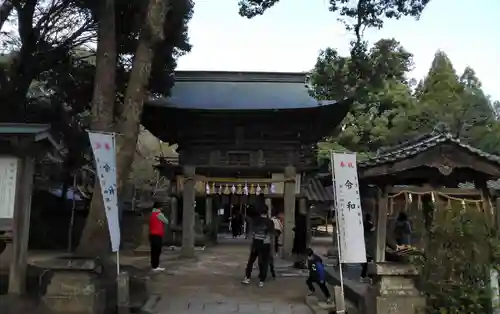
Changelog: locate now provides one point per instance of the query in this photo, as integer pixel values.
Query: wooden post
(289, 204)
(188, 211)
(497, 213)
(208, 211)
(382, 198)
(21, 227)
(308, 223)
(173, 211)
(494, 273)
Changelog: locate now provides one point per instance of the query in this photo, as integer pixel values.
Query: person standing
(157, 224)
(278, 230)
(247, 225)
(263, 229)
(234, 223)
(369, 234)
(402, 230)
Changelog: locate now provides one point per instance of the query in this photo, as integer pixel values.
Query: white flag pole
(104, 149)
(338, 225)
(117, 251)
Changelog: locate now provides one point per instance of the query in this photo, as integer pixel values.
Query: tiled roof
(495, 185)
(239, 91)
(421, 144)
(316, 192)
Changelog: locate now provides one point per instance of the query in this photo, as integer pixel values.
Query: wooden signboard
(8, 180)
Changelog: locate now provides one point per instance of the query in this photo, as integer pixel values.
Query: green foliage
(388, 110)
(47, 69)
(356, 17)
(461, 249)
(355, 14)
(381, 100)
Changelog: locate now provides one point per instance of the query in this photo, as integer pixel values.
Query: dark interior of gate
(250, 138)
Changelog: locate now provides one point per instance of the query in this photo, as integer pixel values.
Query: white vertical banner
(348, 206)
(103, 146)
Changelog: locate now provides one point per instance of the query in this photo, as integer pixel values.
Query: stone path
(211, 285)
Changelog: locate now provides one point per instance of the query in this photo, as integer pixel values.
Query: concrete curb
(349, 293)
(148, 307)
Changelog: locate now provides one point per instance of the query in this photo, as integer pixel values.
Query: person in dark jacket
(402, 230)
(369, 234)
(316, 275)
(263, 235)
(236, 223)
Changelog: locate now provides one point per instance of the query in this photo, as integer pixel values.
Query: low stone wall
(74, 287)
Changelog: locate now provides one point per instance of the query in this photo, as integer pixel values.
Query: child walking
(316, 275)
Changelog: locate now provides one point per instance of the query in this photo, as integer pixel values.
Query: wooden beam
(449, 191)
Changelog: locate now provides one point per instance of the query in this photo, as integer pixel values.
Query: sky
(289, 36)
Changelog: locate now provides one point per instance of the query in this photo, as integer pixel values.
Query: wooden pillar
(269, 204)
(289, 204)
(173, 211)
(497, 213)
(21, 227)
(208, 211)
(307, 210)
(188, 211)
(381, 229)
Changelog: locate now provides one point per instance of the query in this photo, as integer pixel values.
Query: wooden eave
(171, 170)
(435, 152)
(173, 124)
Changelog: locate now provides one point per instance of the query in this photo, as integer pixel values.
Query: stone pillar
(21, 226)
(208, 211)
(394, 289)
(289, 204)
(381, 228)
(173, 211)
(188, 211)
(269, 204)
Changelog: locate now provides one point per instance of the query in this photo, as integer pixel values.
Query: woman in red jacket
(157, 224)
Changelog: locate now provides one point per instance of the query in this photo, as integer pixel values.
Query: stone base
(74, 287)
(400, 305)
(394, 290)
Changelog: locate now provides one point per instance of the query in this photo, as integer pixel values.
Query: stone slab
(225, 307)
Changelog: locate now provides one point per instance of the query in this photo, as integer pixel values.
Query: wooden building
(408, 177)
(243, 138)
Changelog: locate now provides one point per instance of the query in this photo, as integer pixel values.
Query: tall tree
(356, 16)
(5, 9)
(47, 32)
(458, 102)
(496, 109)
(92, 242)
(381, 100)
(440, 98)
(155, 35)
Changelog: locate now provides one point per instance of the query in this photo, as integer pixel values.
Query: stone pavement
(211, 285)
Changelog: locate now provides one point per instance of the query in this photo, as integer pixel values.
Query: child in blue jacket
(316, 274)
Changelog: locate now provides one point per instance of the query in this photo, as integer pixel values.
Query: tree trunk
(130, 118)
(5, 10)
(95, 237)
